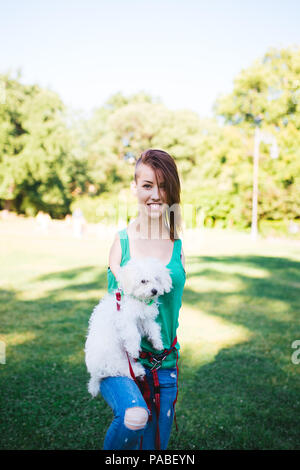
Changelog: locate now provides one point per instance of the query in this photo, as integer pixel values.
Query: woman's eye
(149, 186)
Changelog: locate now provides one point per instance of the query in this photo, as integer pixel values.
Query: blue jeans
(122, 393)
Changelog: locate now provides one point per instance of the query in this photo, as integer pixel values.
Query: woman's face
(151, 197)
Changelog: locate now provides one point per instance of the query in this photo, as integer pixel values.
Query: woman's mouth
(154, 206)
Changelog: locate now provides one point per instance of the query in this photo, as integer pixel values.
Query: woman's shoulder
(119, 235)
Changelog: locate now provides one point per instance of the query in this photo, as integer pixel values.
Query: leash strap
(157, 406)
(156, 360)
(118, 299)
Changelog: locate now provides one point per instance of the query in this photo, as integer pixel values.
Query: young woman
(153, 233)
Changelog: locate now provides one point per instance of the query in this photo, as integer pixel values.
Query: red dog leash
(156, 360)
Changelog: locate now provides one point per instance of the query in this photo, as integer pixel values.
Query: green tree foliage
(37, 167)
(219, 185)
(267, 95)
(114, 139)
(119, 135)
(268, 92)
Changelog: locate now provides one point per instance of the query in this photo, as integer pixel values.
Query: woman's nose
(155, 194)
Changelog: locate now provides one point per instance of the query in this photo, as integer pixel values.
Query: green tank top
(170, 303)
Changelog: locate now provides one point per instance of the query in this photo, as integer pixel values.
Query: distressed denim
(121, 393)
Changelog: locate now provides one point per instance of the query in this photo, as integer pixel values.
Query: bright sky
(184, 51)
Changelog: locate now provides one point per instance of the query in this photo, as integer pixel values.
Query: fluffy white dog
(114, 332)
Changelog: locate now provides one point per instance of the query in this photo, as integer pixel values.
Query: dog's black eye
(143, 281)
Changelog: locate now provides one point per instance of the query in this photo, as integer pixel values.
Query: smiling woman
(157, 186)
(154, 233)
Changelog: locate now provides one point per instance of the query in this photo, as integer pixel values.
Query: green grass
(238, 388)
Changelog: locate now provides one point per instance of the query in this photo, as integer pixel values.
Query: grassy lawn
(238, 387)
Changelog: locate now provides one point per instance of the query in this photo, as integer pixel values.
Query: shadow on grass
(246, 398)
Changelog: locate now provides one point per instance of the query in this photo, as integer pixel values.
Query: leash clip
(156, 366)
(158, 362)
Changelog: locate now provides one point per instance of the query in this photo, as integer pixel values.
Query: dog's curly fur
(112, 332)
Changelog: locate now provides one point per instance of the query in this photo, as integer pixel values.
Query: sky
(185, 52)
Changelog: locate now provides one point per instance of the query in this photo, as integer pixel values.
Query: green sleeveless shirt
(170, 303)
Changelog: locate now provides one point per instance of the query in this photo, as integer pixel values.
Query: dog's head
(145, 278)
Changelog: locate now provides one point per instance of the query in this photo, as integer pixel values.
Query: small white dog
(114, 332)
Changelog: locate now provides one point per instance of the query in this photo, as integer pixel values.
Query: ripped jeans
(129, 424)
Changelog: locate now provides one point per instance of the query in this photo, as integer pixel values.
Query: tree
(36, 162)
(267, 95)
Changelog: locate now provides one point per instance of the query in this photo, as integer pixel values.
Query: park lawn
(238, 386)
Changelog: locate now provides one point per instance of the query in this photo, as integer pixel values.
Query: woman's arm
(115, 256)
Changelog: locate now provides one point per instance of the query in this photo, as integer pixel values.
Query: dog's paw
(138, 369)
(158, 344)
(133, 352)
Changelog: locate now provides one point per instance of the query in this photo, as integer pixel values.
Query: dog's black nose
(154, 291)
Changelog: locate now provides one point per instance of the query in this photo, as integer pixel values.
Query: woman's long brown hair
(161, 162)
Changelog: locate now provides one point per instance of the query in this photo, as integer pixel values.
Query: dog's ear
(162, 274)
(165, 279)
(127, 276)
(168, 283)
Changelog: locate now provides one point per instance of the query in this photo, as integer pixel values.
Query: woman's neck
(149, 228)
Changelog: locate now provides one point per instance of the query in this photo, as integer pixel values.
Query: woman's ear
(133, 187)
